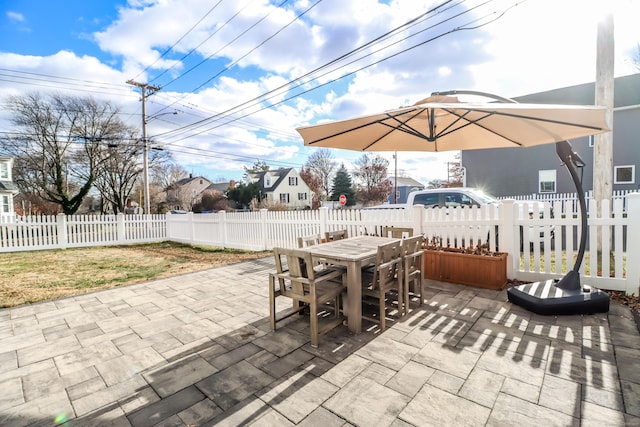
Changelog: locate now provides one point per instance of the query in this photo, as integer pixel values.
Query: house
(404, 186)
(184, 193)
(283, 186)
(7, 188)
(518, 171)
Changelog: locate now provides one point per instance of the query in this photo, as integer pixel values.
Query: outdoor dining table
(354, 253)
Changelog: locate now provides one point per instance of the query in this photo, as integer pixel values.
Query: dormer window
(4, 170)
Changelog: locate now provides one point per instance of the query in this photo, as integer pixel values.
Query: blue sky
(215, 60)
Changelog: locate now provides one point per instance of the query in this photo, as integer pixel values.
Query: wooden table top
(351, 249)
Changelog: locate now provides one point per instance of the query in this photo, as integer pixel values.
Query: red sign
(343, 199)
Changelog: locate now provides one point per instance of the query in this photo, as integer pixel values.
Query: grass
(564, 267)
(29, 277)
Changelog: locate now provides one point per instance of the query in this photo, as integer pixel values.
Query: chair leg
(272, 302)
(314, 324)
(383, 317)
(407, 300)
(401, 298)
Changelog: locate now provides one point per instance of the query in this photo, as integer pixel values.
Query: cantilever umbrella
(443, 123)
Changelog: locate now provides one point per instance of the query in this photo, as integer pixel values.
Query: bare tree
(60, 145)
(373, 187)
(320, 166)
(119, 172)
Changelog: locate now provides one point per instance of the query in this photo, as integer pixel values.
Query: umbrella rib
(381, 122)
(540, 119)
(404, 127)
(461, 117)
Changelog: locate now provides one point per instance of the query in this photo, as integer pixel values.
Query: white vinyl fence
(540, 246)
(61, 231)
(569, 201)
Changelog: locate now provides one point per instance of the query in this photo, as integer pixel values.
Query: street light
(145, 155)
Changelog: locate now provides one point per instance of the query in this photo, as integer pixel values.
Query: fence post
(633, 243)
(263, 229)
(223, 228)
(507, 235)
(324, 215)
(120, 228)
(192, 231)
(417, 219)
(63, 237)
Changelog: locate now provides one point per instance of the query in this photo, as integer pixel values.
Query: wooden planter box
(489, 272)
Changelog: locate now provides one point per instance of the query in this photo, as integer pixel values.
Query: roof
(279, 173)
(626, 94)
(185, 181)
(8, 186)
(406, 182)
(220, 187)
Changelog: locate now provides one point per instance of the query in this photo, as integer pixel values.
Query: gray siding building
(523, 171)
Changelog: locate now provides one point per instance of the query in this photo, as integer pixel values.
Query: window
(293, 180)
(547, 181)
(284, 197)
(427, 200)
(267, 181)
(302, 196)
(592, 141)
(624, 174)
(4, 170)
(4, 208)
(457, 199)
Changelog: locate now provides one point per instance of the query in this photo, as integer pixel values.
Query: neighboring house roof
(220, 187)
(8, 186)
(406, 182)
(625, 93)
(280, 174)
(185, 181)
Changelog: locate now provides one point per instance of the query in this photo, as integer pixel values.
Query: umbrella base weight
(548, 299)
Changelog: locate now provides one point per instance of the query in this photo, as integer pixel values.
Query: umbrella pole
(567, 295)
(571, 159)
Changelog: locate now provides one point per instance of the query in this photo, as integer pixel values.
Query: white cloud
(15, 16)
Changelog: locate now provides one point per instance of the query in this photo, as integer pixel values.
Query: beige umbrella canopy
(442, 123)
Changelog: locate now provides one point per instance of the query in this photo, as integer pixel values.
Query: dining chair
(412, 258)
(386, 277)
(310, 240)
(330, 236)
(397, 232)
(295, 278)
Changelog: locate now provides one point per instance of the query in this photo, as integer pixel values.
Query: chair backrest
(330, 236)
(388, 261)
(299, 267)
(412, 251)
(311, 240)
(397, 232)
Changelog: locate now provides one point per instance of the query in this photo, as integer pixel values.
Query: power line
(169, 49)
(287, 85)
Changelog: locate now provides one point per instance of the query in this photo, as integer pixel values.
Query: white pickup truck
(454, 197)
(443, 198)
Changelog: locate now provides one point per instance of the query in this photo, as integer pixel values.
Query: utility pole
(145, 155)
(395, 178)
(603, 143)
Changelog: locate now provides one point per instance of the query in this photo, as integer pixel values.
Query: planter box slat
(489, 272)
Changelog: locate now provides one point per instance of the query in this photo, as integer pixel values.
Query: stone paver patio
(196, 350)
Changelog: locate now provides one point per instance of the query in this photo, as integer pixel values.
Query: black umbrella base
(548, 299)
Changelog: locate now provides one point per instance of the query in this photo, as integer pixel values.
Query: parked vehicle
(461, 196)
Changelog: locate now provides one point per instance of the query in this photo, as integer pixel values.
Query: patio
(196, 349)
